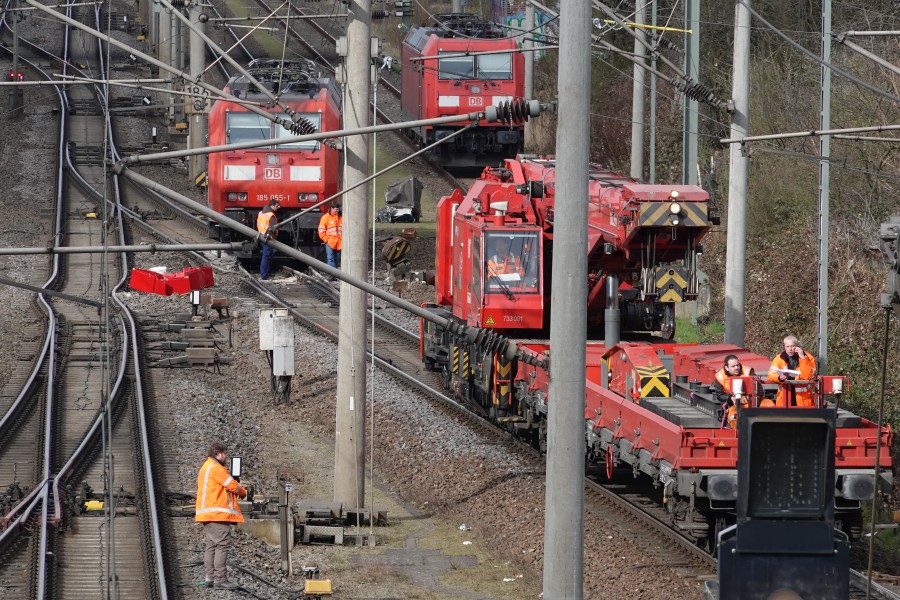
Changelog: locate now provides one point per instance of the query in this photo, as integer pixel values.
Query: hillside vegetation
(782, 227)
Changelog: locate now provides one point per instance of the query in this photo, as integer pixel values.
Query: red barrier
(188, 280)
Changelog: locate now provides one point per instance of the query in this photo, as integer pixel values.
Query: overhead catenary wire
(815, 58)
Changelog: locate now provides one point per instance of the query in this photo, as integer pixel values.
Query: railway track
(314, 303)
(89, 525)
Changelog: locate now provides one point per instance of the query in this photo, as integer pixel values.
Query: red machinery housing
(462, 82)
(647, 405)
(642, 248)
(298, 175)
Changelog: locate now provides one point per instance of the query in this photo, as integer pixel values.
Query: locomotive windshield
(512, 262)
(485, 66)
(251, 127)
(314, 118)
(247, 127)
(456, 67)
(494, 66)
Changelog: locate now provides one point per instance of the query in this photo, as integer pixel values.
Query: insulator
(179, 3)
(301, 126)
(379, 14)
(513, 112)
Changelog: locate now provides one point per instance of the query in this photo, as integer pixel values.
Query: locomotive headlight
(232, 196)
(242, 196)
(313, 197)
(675, 211)
(301, 197)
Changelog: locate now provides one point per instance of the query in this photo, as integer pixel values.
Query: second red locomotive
(462, 64)
(298, 175)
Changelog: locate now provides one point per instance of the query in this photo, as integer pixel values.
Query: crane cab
(489, 268)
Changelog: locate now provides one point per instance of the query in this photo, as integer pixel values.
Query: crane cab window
(512, 262)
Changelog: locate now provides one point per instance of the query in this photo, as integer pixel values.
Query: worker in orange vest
(502, 261)
(331, 232)
(723, 388)
(265, 225)
(794, 358)
(217, 508)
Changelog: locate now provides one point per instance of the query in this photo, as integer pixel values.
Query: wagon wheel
(667, 324)
(446, 376)
(542, 436)
(716, 525)
(610, 463)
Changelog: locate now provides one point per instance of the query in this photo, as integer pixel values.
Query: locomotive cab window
(456, 67)
(247, 127)
(281, 132)
(494, 66)
(512, 262)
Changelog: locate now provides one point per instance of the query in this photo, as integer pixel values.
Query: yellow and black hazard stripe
(654, 381)
(396, 249)
(658, 214)
(503, 375)
(672, 283)
(202, 180)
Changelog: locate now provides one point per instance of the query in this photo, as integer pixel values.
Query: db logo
(476, 101)
(272, 173)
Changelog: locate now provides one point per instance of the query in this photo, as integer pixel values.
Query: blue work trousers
(333, 257)
(265, 265)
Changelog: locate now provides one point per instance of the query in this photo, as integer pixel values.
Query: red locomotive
(298, 175)
(648, 405)
(478, 69)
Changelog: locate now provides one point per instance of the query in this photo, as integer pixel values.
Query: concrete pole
(564, 504)
(637, 98)
(16, 94)
(456, 6)
(197, 128)
(350, 432)
(527, 43)
(178, 57)
(651, 178)
(689, 174)
(824, 190)
(736, 247)
(164, 47)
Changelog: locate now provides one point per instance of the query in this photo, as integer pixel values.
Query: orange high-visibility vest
(724, 378)
(803, 393)
(264, 219)
(507, 265)
(217, 493)
(331, 230)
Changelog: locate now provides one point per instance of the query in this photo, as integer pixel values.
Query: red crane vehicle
(298, 175)
(469, 64)
(648, 404)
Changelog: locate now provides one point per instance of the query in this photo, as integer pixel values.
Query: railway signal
(890, 240)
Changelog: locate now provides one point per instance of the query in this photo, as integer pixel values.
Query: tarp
(403, 202)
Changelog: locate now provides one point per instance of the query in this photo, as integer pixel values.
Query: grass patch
(710, 332)
(489, 571)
